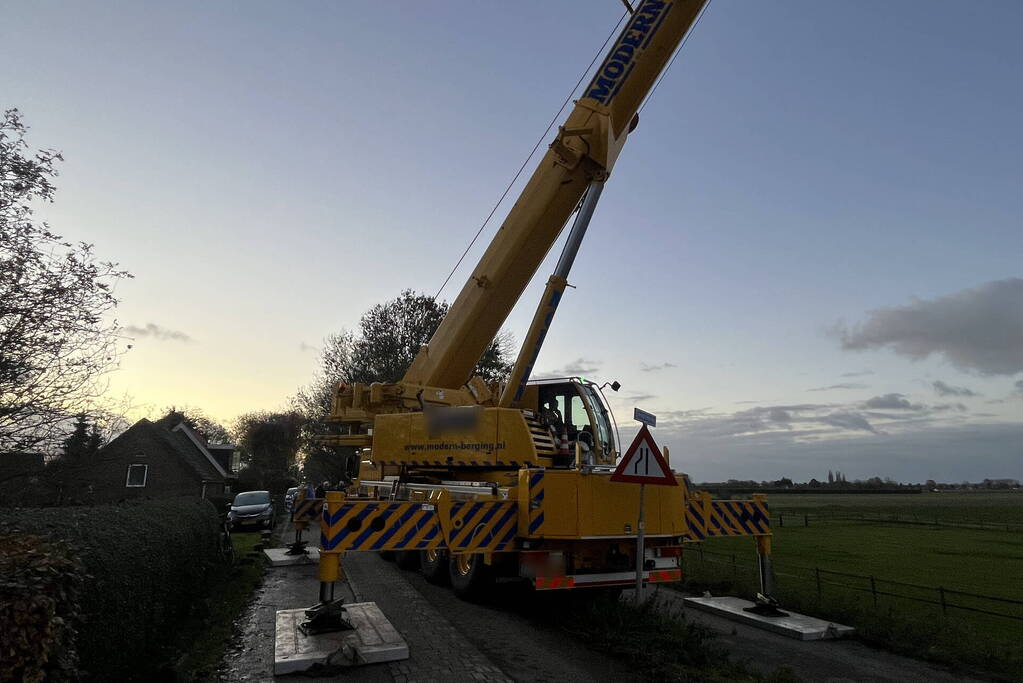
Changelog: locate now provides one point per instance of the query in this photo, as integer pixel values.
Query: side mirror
(227, 505)
(615, 386)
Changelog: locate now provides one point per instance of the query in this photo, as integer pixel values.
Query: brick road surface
(439, 652)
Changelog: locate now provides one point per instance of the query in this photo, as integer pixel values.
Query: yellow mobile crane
(475, 480)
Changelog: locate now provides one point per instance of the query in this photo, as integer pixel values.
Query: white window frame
(145, 476)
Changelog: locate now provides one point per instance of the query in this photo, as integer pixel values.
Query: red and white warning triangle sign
(643, 463)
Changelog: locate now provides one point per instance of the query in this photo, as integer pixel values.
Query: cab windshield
(605, 440)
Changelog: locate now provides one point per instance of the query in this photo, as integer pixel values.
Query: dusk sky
(807, 258)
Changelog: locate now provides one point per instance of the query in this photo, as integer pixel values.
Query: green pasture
(975, 561)
(962, 507)
(980, 561)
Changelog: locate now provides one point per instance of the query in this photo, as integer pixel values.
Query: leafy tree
(269, 443)
(381, 350)
(204, 425)
(56, 343)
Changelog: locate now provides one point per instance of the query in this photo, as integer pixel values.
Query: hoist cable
(685, 39)
(554, 120)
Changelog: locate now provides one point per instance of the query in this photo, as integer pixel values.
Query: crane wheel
(434, 565)
(471, 578)
(407, 559)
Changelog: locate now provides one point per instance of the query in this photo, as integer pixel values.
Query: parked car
(251, 509)
(289, 498)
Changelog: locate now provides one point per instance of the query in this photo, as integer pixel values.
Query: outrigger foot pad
(297, 548)
(326, 617)
(765, 606)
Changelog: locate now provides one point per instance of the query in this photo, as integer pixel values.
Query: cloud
(1019, 387)
(891, 402)
(914, 453)
(302, 346)
(580, 366)
(847, 385)
(851, 421)
(860, 373)
(943, 389)
(646, 367)
(156, 332)
(979, 329)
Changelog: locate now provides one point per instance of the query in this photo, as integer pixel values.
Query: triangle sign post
(643, 464)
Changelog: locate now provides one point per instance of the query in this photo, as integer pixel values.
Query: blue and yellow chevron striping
(307, 509)
(711, 518)
(374, 525)
(483, 526)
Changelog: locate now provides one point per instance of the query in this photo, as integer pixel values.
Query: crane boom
(584, 150)
(475, 480)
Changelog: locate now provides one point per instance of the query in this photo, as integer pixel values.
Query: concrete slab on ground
(793, 625)
(373, 641)
(279, 557)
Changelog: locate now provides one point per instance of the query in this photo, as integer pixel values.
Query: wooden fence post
(820, 596)
(806, 520)
(873, 590)
(944, 606)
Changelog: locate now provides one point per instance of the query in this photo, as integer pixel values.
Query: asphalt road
(829, 661)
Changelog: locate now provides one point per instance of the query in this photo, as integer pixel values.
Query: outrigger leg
(766, 605)
(329, 615)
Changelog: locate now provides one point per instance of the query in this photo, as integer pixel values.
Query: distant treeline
(726, 488)
(837, 483)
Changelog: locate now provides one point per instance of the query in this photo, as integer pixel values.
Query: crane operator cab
(574, 411)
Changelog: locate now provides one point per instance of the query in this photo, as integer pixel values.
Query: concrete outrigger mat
(279, 557)
(793, 625)
(372, 641)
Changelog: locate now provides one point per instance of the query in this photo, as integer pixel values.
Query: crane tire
(471, 578)
(407, 559)
(434, 565)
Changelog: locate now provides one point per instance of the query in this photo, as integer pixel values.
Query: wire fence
(794, 518)
(873, 590)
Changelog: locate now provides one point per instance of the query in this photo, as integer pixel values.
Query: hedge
(39, 591)
(144, 569)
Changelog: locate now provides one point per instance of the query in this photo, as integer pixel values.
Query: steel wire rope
(554, 120)
(681, 45)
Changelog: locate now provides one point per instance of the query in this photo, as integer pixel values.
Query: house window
(137, 475)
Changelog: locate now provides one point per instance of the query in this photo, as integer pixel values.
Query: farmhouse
(160, 459)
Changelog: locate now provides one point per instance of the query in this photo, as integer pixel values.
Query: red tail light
(675, 551)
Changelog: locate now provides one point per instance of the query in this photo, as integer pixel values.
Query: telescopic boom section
(585, 150)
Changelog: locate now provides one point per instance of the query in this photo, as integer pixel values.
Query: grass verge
(204, 639)
(658, 642)
(899, 626)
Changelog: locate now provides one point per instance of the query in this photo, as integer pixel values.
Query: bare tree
(56, 341)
